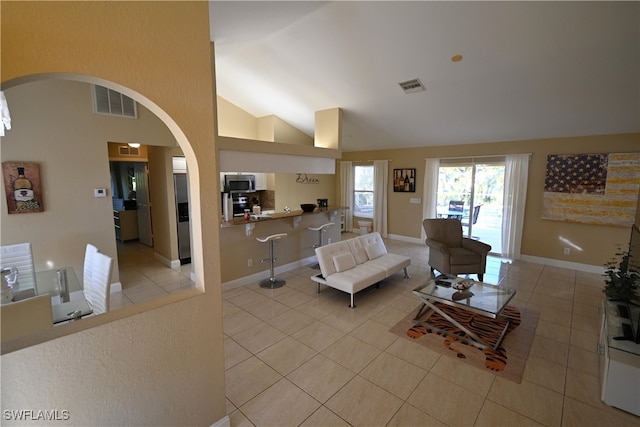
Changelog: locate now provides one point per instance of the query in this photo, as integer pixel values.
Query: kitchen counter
(240, 252)
(276, 215)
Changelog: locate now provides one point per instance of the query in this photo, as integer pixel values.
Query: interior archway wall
(167, 353)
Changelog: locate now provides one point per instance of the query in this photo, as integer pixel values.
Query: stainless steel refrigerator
(182, 216)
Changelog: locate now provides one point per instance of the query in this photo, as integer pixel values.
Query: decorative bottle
(406, 182)
(412, 182)
(22, 189)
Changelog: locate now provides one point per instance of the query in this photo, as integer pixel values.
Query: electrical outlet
(329, 241)
(250, 262)
(567, 251)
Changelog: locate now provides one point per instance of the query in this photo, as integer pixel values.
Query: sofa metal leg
(352, 304)
(406, 273)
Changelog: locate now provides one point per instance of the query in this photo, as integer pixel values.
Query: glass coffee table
(481, 298)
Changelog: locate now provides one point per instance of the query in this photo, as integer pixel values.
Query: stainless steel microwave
(240, 183)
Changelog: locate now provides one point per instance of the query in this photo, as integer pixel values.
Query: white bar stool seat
(321, 230)
(271, 282)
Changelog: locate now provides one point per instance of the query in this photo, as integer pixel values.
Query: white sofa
(355, 264)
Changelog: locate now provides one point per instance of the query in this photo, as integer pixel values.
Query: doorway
(130, 190)
(479, 189)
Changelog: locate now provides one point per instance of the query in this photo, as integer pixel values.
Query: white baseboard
(241, 281)
(564, 264)
(116, 287)
(222, 422)
(528, 258)
(407, 239)
(162, 260)
(172, 264)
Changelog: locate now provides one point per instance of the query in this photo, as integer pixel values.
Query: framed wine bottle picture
(22, 187)
(404, 180)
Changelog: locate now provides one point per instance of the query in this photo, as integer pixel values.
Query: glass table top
(482, 298)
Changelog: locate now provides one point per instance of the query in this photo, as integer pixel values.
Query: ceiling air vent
(412, 86)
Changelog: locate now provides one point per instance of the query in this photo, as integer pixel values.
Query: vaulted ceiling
(529, 70)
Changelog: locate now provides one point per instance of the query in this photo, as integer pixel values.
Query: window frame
(368, 212)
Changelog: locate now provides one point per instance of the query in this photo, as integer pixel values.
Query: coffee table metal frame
(489, 301)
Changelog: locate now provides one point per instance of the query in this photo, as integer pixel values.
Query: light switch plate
(100, 192)
(415, 200)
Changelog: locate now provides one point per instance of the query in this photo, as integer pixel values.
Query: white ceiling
(530, 70)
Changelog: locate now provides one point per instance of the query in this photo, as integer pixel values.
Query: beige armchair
(449, 252)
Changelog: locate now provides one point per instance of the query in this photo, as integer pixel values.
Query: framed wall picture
(404, 180)
(22, 187)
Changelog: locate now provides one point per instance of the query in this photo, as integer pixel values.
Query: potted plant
(620, 283)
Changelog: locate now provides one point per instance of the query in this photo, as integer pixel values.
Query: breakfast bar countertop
(276, 215)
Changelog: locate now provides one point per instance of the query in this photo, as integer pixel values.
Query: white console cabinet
(619, 358)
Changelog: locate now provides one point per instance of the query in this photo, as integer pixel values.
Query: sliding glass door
(473, 193)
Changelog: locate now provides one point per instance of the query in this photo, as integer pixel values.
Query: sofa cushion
(390, 263)
(373, 251)
(326, 253)
(357, 249)
(344, 261)
(356, 279)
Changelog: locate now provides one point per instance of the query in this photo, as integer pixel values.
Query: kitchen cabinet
(126, 225)
(619, 359)
(261, 181)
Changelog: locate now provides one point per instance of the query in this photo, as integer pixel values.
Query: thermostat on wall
(100, 192)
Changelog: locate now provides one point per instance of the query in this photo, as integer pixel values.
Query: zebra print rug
(508, 360)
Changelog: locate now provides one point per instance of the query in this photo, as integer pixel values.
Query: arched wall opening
(171, 125)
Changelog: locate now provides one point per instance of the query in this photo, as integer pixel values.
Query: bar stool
(321, 230)
(271, 282)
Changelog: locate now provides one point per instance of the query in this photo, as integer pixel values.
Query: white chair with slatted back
(89, 252)
(26, 316)
(97, 291)
(20, 256)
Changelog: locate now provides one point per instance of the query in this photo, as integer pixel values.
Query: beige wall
(540, 237)
(285, 133)
(294, 189)
(160, 362)
(163, 206)
(237, 123)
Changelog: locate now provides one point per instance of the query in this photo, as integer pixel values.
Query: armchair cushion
(446, 232)
(461, 256)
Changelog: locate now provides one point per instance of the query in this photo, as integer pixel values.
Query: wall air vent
(125, 150)
(412, 86)
(107, 101)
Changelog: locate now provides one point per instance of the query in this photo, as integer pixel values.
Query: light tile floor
(297, 357)
(143, 277)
